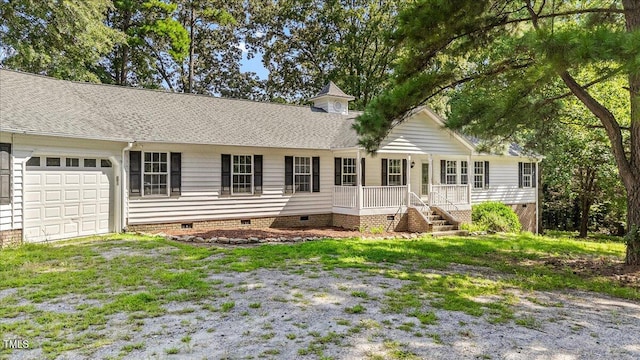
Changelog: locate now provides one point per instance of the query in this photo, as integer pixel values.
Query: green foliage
(63, 39)
(495, 216)
(343, 41)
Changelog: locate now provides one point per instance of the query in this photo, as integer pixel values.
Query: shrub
(495, 216)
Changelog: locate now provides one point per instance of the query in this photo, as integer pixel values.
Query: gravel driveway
(307, 312)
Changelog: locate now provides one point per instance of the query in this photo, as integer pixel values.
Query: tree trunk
(192, 21)
(633, 225)
(632, 16)
(585, 206)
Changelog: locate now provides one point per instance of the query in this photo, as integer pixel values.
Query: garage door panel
(70, 228)
(71, 210)
(52, 196)
(66, 202)
(72, 179)
(52, 179)
(52, 213)
(72, 195)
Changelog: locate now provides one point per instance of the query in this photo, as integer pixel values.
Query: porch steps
(450, 233)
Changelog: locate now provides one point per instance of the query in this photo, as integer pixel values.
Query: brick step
(444, 228)
(450, 233)
(440, 222)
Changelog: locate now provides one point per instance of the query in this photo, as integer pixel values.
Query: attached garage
(67, 197)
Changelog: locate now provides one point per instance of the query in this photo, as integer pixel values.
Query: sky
(254, 64)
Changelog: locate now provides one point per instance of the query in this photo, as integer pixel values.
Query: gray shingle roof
(42, 105)
(332, 89)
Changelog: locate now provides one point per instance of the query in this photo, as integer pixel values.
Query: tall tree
(60, 38)
(514, 54)
(306, 43)
(152, 34)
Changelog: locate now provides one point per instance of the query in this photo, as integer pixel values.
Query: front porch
(391, 182)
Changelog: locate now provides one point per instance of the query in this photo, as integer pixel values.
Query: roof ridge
(161, 91)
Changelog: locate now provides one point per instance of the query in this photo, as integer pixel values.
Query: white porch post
(470, 172)
(430, 178)
(408, 179)
(359, 195)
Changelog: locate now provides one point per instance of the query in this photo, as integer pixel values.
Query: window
(107, 163)
(478, 174)
(394, 172)
(156, 172)
(451, 173)
(527, 174)
(302, 174)
(34, 161)
(464, 172)
(242, 174)
(73, 162)
(53, 161)
(349, 171)
(89, 162)
(5, 173)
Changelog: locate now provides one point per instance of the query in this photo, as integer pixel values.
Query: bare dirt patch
(614, 269)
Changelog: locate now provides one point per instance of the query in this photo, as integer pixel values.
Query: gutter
(123, 188)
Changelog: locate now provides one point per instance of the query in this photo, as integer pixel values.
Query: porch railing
(439, 200)
(383, 196)
(345, 196)
(455, 194)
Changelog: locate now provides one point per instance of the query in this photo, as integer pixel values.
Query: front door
(424, 177)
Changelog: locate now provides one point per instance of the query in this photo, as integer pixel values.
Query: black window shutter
(385, 180)
(176, 173)
(226, 174)
(135, 173)
(534, 178)
(257, 173)
(5, 174)
(337, 169)
(362, 171)
(404, 171)
(315, 173)
(486, 174)
(443, 172)
(520, 175)
(288, 174)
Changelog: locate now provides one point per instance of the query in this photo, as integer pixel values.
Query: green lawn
(137, 276)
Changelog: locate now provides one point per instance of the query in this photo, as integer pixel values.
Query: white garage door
(67, 197)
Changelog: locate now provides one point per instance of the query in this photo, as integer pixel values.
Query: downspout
(123, 187)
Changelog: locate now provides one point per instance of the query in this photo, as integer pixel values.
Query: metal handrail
(416, 201)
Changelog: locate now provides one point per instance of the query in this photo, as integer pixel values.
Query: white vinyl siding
(201, 184)
(504, 184)
(422, 135)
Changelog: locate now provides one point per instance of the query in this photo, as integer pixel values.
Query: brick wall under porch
(10, 237)
(388, 222)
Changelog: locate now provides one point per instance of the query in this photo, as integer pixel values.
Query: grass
(138, 276)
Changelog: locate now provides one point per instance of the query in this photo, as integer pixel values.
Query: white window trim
(461, 174)
(250, 176)
(354, 173)
(456, 165)
(310, 173)
(168, 173)
(529, 175)
(482, 174)
(389, 173)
